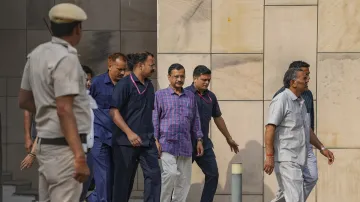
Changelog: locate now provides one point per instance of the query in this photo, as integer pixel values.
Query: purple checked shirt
(176, 119)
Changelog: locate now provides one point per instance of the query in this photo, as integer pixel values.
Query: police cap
(66, 13)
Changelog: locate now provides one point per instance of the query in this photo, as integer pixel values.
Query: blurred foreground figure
(53, 87)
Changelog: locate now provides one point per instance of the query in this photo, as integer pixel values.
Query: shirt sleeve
(25, 81)
(156, 116)
(92, 89)
(216, 112)
(196, 125)
(120, 95)
(276, 112)
(67, 77)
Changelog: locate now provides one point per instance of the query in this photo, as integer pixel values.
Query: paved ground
(8, 197)
(9, 190)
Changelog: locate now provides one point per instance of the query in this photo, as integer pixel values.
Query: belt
(61, 140)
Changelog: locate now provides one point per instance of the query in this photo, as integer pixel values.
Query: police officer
(53, 87)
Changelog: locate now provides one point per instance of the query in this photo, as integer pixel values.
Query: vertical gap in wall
(4, 143)
(263, 122)
(210, 51)
(316, 82)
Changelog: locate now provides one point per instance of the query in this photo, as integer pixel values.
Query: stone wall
(249, 44)
(112, 26)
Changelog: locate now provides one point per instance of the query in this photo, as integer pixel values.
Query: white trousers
(175, 177)
(310, 174)
(291, 181)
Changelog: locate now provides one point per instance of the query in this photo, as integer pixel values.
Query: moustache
(179, 82)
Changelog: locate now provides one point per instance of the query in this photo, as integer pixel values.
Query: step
(29, 192)
(6, 176)
(19, 185)
(137, 195)
(9, 197)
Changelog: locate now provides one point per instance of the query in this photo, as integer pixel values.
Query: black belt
(61, 140)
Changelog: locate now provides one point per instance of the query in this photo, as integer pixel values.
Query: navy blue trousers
(102, 172)
(208, 165)
(126, 160)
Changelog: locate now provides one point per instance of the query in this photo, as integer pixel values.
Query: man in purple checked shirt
(176, 120)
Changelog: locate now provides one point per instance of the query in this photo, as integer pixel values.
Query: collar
(137, 80)
(64, 43)
(292, 95)
(193, 89)
(172, 92)
(107, 78)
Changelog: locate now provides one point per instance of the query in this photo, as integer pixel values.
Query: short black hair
(176, 66)
(135, 58)
(63, 29)
(88, 70)
(290, 75)
(298, 64)
(201, 70)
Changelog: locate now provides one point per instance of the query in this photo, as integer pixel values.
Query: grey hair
(290, 75)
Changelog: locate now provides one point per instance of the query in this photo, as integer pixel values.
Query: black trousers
(208, 165)
(126, 160)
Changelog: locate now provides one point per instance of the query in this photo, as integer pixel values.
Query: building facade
(248, 44)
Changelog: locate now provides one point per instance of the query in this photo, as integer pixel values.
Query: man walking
(133, 136)
(208, 107)
(176, 121)
(101, 90)
(287, 131)
(53, 87)
(310, 171)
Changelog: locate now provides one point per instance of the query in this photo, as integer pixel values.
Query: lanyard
(140, 93)
(207, 101)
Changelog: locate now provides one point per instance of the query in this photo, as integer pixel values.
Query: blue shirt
(136, 109)
(208, 107)
(101, 90)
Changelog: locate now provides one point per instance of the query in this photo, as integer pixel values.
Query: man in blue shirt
(208, 107)
(132, 104)
(101, 90)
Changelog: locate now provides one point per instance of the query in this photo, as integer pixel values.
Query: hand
(82, 171)
(329, 155)
(233, 145)
(269, 165)
(27, 162)
(158, 146)
(134, 139)
(28, 145)
(199, 148)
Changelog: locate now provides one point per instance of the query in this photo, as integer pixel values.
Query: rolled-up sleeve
(25, 81)
(67, 77)
(276, 112)
(196, 125)
(156, 116)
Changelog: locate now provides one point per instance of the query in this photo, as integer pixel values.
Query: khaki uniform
(53, 70)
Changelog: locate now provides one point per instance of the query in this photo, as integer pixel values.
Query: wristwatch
(322, 148)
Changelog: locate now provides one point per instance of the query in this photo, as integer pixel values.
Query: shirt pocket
(186, 108)
(296, 119)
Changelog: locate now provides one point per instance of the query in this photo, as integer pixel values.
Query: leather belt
(61, 140)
